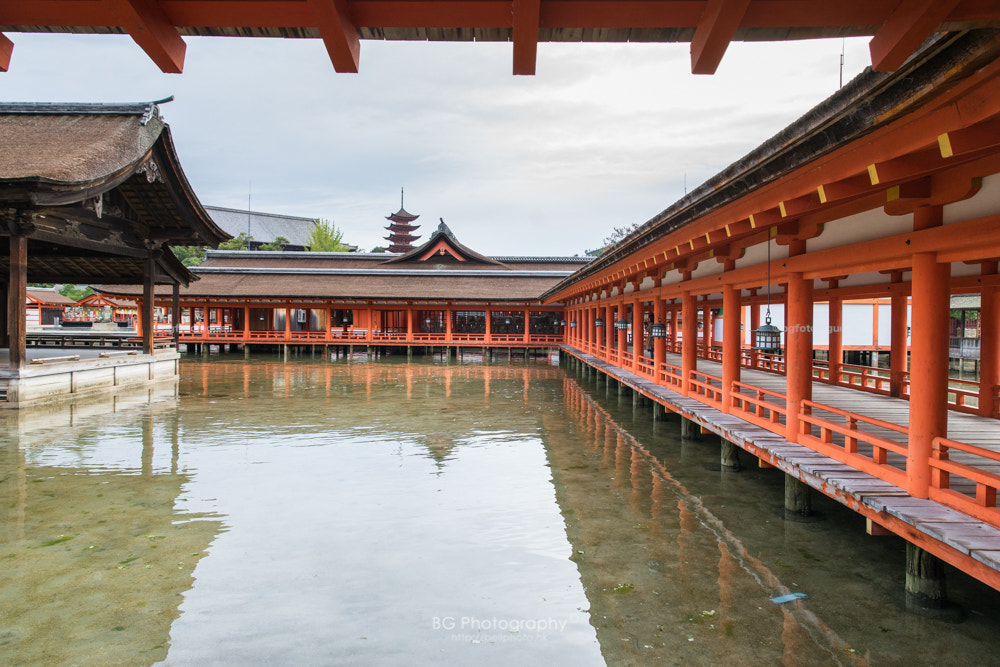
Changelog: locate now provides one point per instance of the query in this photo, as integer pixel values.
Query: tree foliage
(325, 237)
(379, 248)
(76, 292)
(241, 242)
(190, 255)
(277, 244)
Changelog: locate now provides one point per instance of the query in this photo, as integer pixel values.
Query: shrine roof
(93, 186)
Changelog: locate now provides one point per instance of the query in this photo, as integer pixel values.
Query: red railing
(963, 395)
(646, 367)
(751, 403)
(875, 462)
(982, 502)
(707, 388)
(671, 376)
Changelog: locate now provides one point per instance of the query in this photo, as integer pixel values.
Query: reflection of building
(441, 293)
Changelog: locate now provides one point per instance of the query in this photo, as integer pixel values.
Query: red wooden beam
(908, 26)
(977, 137)
(333, 18)
(149, 26)
(527, 14)
(6, 49)
(716, 28)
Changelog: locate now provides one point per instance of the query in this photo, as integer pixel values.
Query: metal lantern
(621, 324)
(658, 330)
(767, 338)
(572, 324)
(562, 323)
(506, 321)
(598, 323)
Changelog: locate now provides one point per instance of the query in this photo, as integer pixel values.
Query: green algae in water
(58, 540)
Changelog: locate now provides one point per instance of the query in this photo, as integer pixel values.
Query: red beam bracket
(905, 30)
(527, 16)
(340, 35)
(718, 24)
(148, 25)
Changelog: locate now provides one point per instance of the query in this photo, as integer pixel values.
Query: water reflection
(680, 560)
(97, 547)
(310, 512)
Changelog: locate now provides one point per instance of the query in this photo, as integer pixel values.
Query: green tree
(76, 292)
(325, 237)
(241, 242)
(277, 244)
(379, 248)
(190, 255)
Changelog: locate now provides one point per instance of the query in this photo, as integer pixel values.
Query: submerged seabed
(387, 513)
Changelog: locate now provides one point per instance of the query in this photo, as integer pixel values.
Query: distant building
(401, 228)
(264, 227)
(45, 306)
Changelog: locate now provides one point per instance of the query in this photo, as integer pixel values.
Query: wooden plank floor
(862, 492)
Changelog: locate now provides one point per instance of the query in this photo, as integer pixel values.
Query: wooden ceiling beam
(905, 30)
(148, 25)
(527, 14)
(716, 28)
(6, 50)
(340, 35)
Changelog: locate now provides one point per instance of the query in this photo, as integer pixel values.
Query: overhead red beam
(527, 15)
(905, 30)
(716, 28)
(333, 18)
(6, 49)
(147, 24)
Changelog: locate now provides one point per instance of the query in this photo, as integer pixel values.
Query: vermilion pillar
(622, 333)
(989, 356)
(609, 328)
(731, 343)
(754, 325)
(689, 339)
(659, 344)
(836, 352)
(638, 344)
(798, 356)
(897, 349)
(928, 368)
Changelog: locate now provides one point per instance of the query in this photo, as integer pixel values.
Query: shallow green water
(386, 513)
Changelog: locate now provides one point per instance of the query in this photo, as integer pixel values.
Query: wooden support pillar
(729, 458)
(754, 325)
(929, 368)
(609, 328)
(5, 299)
(689, 340)
(175, 314)
(798, 357)
(925, 580)
(17, 286)
(706, 330)
(798, 497)
(731, 344)
(148, 302)
(690, 430)
(989, 354)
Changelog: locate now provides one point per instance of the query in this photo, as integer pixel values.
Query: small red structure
(401, 236)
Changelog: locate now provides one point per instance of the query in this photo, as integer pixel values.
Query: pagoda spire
(401, 236)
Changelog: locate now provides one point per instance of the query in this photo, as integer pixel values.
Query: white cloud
(604, 135)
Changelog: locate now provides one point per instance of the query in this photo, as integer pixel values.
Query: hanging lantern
(572, 324)
(767, 338)
(621, 324)
(562, 323)
(658, 330)
(598, 323)
(506, 321)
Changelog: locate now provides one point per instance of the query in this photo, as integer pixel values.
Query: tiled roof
(264, 227)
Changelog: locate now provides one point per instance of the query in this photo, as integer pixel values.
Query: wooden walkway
(963, 541)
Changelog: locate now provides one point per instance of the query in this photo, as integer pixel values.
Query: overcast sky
(602, 136)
